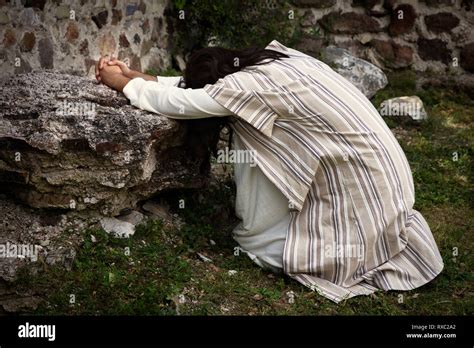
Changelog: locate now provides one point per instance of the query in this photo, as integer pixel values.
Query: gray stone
(349, 23)
(463, 83)
(62, 12)
(392, 54)
(434, 49)
(43, 232)
(146, 46)
(315, 3)
(365, 76)
(310, 45)
(407, 106)
(118, 228)
(203, 257)
(402, 20)
(367, 4)
(116, 16)
(158, 34)
(24, 67)
(467, 57)
(123, 41)
(46, 53)
(180, 61)
(441, 22)
(158, 210)
(100, 19)
(467, 5)
(28, 18)
(68, 142)
(136, 39)
(27, 42)
(145, 26)
(134, 217)
(130, 9)
(4, 19)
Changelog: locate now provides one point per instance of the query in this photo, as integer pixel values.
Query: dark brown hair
(206, 66)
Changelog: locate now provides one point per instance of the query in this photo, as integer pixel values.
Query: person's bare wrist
(131, 74)
(107, 77)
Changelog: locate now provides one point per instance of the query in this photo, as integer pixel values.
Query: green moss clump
(232, 23)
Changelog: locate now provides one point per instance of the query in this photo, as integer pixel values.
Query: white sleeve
(172, 101)
(169, 80)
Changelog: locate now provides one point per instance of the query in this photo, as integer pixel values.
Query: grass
(163, 274)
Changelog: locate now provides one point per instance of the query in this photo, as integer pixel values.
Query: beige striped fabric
(353, 228)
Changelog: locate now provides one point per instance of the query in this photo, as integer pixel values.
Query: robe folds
(349, 186)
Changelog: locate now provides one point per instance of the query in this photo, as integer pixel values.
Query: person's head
(208, 65)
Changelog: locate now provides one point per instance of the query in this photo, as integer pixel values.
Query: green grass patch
(163, 275)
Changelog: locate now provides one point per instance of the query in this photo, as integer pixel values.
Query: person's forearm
(133, 74)
(115, 81)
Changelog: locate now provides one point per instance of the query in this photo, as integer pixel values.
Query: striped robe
(353, 228)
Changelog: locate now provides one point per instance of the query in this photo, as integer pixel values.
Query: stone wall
(424, 35)
(69, 35)
(434, 35)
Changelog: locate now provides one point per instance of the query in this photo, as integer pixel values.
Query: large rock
(406, 106)
(364, 75)
(67, 142)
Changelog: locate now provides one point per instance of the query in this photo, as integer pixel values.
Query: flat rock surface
(68, 142)
(364, 75)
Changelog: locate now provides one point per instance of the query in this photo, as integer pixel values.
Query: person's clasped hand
(106, 66)
(114, 63)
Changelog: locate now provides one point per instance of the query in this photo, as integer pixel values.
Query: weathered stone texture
(402, 20)
(467, 57)
(70, 143)
(435, 49)
(349, 23)
(441, 22)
